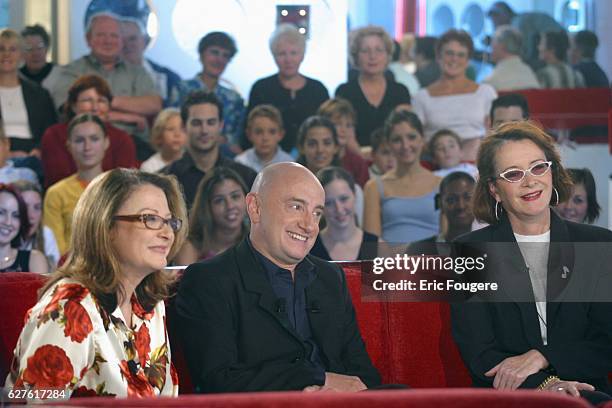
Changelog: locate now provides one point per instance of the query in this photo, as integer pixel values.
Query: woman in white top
(26, 108)
(454, 101)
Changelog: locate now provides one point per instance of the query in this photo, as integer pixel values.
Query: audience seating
(583, 110)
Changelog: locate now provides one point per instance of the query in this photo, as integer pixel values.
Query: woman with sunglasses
(99, 325)
(531, 339)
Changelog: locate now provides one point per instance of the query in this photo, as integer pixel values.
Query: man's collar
(271, 268)
(95, 61)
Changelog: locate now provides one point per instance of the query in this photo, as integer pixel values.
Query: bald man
(267, 316)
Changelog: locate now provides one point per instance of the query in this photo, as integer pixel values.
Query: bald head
(285, 206)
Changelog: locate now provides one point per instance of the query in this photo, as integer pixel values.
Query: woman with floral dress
(99, 327)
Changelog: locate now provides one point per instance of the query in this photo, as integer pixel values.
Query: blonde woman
(168, 138)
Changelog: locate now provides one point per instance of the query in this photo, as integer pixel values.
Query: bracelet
(549, 380)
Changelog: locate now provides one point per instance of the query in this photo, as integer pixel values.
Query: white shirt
(153, 163)
(462, 113)
(468, 168)
(251, 159)
(14, 113)
(512, 73)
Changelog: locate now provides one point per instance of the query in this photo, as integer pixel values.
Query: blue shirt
(233, 105)
(292, 299)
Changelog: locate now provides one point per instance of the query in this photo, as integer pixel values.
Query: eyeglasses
(458, 54)
(152, 221)
(38, 47)
(100, 101)
(516, 175)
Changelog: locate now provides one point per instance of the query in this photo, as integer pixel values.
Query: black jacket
(236, 339)
(579, 334)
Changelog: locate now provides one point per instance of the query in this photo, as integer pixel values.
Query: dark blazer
(579, 334)
(40, 108)
(235, 337)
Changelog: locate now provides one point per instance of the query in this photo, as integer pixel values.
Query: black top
(21, 264)
(293, 110)
(367, 250)
(594, 76)
(371, 117)
(292, 301)
(189, 175)
(40, 75)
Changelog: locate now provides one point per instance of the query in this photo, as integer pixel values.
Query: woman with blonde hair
(168, 138)
(99, 325)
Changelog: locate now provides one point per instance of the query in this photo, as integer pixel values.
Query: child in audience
(39, 236)
(9, 173)
(218, 218)
(264, 130)
(87, 143)
(445, 148)
(168, 138)
(14, 226)
(383, 159)
(341, 113)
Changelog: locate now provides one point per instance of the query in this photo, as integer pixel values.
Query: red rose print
(173, 375)
(143, 343)
(138, 386)
(83, 391)
(78, 324)
(49, 367)
(140, 311)
(71, 291)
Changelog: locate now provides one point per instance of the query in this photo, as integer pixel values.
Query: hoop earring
(557, 196)
(496, 210)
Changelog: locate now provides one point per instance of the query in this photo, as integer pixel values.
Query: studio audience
(168, 138)
(36, 46)
(557, 73)
(582, 205)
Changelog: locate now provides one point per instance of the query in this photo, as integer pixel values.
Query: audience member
(343, 116)
(9, 172)
(428, 70)
(582, 55)
(26, 108)
(342, 239)
(134, 94)
(36, 68)
(383, 160)
(135, 42)
(582, 205)
(39, 236)
(531, 25)
(557, 73)
(14, 227)
(202, 115)
(87, 143)
(88, 94)
(445, 148)
(295, 95)
(218, 219)
(237, 342)
(318, 144)
(99, 326)
(400, 205)
(510, 71)
(372, 95)
(168, 138)
(216, 50)
(508, 108)
(442, 105)
(564, 345)
(265, 130)
(400, 73)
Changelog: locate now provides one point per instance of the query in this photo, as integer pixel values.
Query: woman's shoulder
(486, 90)
(348, 88)
(266, 81)
(587, 233)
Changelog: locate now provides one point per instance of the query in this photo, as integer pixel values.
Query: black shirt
(594, 76)
(367, 250)
(370, 117)
(292, 301)
(189, 175)
(293, 110)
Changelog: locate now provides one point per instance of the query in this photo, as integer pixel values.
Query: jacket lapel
(560, 265)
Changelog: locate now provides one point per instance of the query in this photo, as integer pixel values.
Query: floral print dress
(70, 342)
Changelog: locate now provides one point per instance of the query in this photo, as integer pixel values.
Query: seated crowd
(113, 168)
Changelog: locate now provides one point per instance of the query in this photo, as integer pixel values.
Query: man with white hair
(265, 315)
(510, 71)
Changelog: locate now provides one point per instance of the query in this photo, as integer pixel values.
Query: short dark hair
(511, 99)
(200, 98)
(313, 122)
(400, 116)
(586, 41)
(557, 42)
(331, 173)
(448, 180)
(39, 30)
(585, 177)
(377, 138)
(82, 84)
(461, 36)
(426, 46)
(219, 39)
